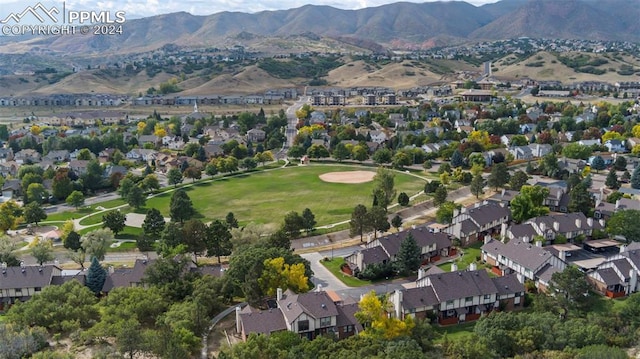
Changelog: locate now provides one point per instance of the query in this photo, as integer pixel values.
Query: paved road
(292, 119)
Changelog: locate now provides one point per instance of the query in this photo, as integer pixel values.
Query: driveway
(322, 276)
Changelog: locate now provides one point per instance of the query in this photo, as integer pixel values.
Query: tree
(373, 314)
(308, 220)
(153, 224)
(293, 223)
(194, 236)
(95, 243)
(620, 163)
(598, 163)
(340, 152)
(440, 195)
(72, 241)
(114, 220)
(384, 190)
(96, 275)
(296, 152)
(382, 156)
(75, 199)
(218, 239)
(431, 186)
(529, 203)
(456, 159)
(61, 186)
(42, 250)
(570, 290)
(33, 213)
(317, 151)
(580, 199)
(181, 207)
(444, 214)
(231, 220)
(612, 179)
(378, 220)
(477, 185)
(136, 197)
(625, 223)
(360, 153)
(396, 222)
(249, 163)
(518, 180)
(499, 176)
(10, 214)
(635, 178)
(36, 193)
(125, 187)
(92, 178)
(193, 172)
(150, 182)
(403, 199)
(408, 256)
(549, 165)
(8, 252)
(278, 274)
(359, 222)
(174, 176)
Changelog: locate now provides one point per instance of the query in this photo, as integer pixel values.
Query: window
(325, 322)
(303, 325)
(18, 290)
(348, 329)
(468, 299)
(37, 289)
(487, 296)
(449, 302)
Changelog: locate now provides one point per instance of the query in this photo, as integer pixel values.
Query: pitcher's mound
(348, 177)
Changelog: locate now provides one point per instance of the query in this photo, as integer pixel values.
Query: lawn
(454, 332)
(470, 255)
(265, 197)
(333, 266)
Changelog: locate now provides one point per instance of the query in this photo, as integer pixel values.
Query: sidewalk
(407, 214)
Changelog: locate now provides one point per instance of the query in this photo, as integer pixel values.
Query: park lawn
(129, 233)
(265, 197)
(123, 247)
(64, 216)
(333, 266)
(97, 218)
(470, 255)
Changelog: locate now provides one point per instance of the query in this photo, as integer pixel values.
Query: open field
(266, 197)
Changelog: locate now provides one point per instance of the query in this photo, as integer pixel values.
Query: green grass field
(266, 197)
(333, 266)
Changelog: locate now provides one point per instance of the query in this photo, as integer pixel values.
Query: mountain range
(397, 25)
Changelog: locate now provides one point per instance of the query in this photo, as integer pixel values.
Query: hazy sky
(137, 8)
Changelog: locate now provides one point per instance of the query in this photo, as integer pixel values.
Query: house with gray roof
(569, 225)
(433, 246)
(471, 224)
(458, 296)
(308, 314)
(522, 258)
(618, 275)
(604, 210)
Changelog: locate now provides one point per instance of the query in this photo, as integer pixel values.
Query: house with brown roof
(433, 246)
(472, 224)
(458, 296)
(308, 314)
(22, 282)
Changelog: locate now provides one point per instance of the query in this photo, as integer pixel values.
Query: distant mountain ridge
(392, 25)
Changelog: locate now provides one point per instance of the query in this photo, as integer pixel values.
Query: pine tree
(181, 207)
(635, 178)
(396, 222)
(612, 179)
(96, 276)
(499, 176)
(456, 159)
(598, 163)
(408, 257)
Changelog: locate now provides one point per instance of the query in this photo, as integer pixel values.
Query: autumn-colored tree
(373, 313)
(278, 274)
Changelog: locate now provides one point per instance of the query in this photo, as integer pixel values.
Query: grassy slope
(266, 197)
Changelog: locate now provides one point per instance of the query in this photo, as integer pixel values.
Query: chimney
(556, 226)
(397, 303)
(238, 321)
(110, 270)
(543, 228)
(421, 273)
(503, 191)
(623, 248)
(454, 267)
(473, 266)
(563, 255)
(578, 223)
(456, 212)
(633, 280)
(319, 288)
(539, 244)
(503, 229)
(279, 294)
(590, 222)
(601, 221)
(617, 204)
(487, 239)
